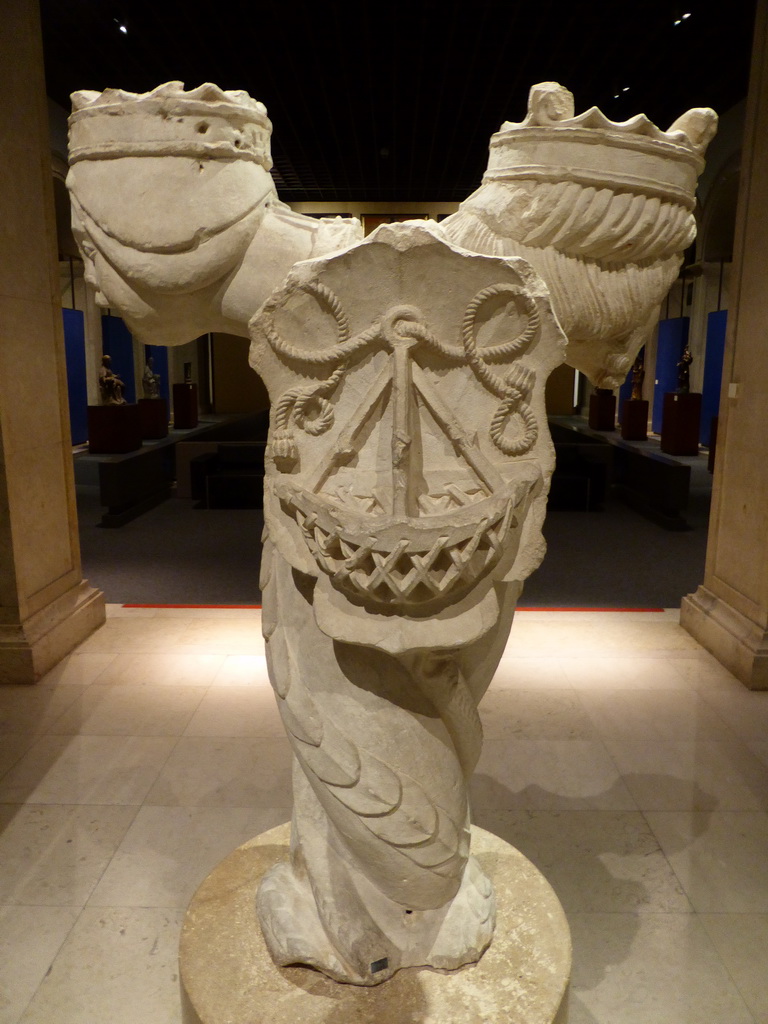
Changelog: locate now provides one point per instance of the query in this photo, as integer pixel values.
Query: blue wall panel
(159, 354)
(713, 371)
(77, 383)
(673, 337)
(118, 345)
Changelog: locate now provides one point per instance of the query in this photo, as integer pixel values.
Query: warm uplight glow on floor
(619, 757)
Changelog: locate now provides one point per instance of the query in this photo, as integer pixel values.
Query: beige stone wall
(39, 549)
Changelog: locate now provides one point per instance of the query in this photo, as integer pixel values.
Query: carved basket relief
(406, 438)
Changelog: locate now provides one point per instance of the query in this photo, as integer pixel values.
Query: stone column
(46, 608)
(728, 614)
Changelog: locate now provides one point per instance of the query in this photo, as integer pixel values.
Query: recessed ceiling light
(123, 29)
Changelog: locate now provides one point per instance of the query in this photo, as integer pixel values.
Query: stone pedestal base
(153, 416)
(113, 429)
(738, 643)
(602, 410)
(680, 424)
(184, 406)
(31, 648)
(227, 976)
(634, 420)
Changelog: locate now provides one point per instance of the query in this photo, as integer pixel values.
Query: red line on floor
(191, 606)
(530, 608)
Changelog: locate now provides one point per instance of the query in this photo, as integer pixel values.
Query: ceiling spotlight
(625, 89)
(123, 29)
(686, 16)
(679, 21)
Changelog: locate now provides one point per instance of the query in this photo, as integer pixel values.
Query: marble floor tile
(242, 670)
(534, 714)
(652, 715)
(86, 770)
(703, 672)
(32, 709)
(249, 612)
(53, 855)
(596, 861)
(168, 851)
(205, 771)
(719, 857)
(237, 711)
(603, 672)
(759, 748)
(230, 636)
(162, 668)
(78, 668)
(131, 711)
(30, 937)
(745, 711)
(699, 775)
(649, 969)
(13, 746)
(742, 942)
(124, 635)
(117, 965)
(528, 774)
(530, 674)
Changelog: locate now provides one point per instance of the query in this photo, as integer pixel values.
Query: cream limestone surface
(603, 210)
(408, 462)
(728, 613)
(46, 608)
(175, 211)
(227, 974)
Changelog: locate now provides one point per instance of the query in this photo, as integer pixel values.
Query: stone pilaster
(46, 608)
(728, 614)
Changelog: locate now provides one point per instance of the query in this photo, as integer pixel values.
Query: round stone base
(228, 977)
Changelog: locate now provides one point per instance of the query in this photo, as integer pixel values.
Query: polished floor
(619, 757)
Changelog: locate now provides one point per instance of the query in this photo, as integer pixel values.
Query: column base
(31, 648)
(228, 977)
(737, 642)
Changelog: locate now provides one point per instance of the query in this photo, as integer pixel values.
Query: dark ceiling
(396, 101)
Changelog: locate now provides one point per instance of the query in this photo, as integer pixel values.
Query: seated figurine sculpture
(111, 385)
(150, 381)
(409, 458)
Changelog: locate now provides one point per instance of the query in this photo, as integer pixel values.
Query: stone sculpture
(150, 381)
(176, 214)
(603, 210)
(111, 385)
(399, 536)
(684, 372)
(408, 461)
(638, 376)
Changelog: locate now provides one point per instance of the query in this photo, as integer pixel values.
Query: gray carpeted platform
(179, 554)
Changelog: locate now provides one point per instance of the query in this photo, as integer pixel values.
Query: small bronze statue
(638, 376)
(683, 372)
(150, 381)
(111, 385)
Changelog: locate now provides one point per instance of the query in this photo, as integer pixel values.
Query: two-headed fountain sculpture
(409, 457)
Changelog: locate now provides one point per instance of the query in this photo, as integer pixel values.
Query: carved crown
(553, 145)
(205, 123)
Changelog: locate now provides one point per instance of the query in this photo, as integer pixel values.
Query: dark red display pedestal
(634, 419)
(153, 413)
(113, 429)
(680, 424)
(602, 410)
(184, 406)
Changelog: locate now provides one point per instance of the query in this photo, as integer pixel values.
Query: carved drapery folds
(603, 210)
